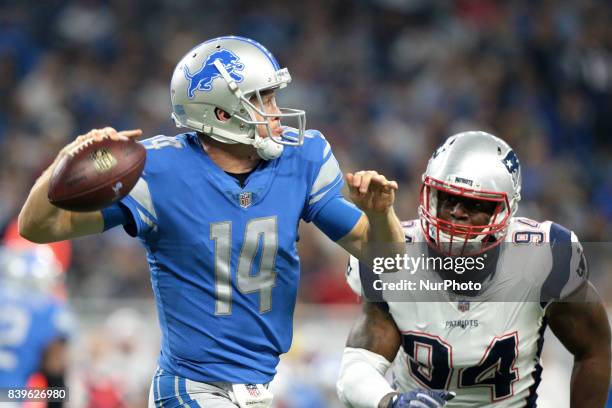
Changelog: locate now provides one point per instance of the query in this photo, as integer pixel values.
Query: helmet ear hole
(221, 115)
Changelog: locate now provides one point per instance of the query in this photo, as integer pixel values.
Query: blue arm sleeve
(337, 217)
(114, 215)
(117, 214)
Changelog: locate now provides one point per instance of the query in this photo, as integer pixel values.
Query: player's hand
(96, 135)
(421, 398)
(371, 192)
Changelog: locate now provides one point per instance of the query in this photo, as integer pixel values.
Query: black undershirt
(241, 177)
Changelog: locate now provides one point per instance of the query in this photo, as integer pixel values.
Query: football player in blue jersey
(34, 324)
(217, 209)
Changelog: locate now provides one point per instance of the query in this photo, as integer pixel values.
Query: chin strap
(268, 149)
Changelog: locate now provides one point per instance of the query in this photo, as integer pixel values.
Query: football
(96, 174)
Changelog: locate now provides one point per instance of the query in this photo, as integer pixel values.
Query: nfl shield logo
(246, 199)
(463, 305)
(253, 390)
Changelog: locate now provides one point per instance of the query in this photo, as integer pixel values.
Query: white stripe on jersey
(145, 218)
(328, 172)
(322, 194)
(327, 149)
(141, 194)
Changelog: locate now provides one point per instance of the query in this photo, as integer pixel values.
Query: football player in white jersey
(482, 343)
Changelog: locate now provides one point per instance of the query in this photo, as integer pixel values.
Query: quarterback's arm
(584, 330)
(41, 222)
(374, 195)
(372, 345)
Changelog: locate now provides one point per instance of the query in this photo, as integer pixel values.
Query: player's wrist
(385, 214)
(385, 227)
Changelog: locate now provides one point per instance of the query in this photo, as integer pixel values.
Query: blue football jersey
(28, 325)
(223, 258)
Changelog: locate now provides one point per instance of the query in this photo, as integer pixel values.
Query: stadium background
(385, 80)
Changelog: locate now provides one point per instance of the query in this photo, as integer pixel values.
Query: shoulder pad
(315, 148)
(569, 269)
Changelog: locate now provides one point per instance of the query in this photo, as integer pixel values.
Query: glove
(421, 398)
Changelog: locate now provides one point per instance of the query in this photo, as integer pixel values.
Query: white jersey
(488, 353)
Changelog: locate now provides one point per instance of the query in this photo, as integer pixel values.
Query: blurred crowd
(385, 80)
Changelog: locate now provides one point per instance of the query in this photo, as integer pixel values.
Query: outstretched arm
(41, 222)
(584, 330)
(379, 226)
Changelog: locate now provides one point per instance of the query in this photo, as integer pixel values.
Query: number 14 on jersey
(260, 236)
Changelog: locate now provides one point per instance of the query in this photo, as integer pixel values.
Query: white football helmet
(474, 165)
(225, 73)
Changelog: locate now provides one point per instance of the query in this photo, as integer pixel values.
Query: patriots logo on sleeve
(202, 79)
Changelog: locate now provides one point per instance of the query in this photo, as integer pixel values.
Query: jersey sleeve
(337, 217)
(135, 212)
(325, 179)
(116, 214)
(579, 270)
(569, 269)
(139, 203)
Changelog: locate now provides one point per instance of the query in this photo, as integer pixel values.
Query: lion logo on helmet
(202, 79)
